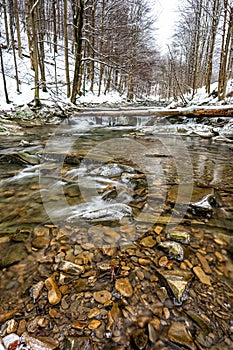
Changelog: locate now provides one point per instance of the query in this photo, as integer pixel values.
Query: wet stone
(174, 250)
(54, 294)
(124, 287)
(12, 253)
(204, 263)
(36, 290)
(179, 236)
(94, 324)
(140, 339)
(177, 282)
(201, 275)
(94, 313)
(102, 296)
(178, 334)
(75, 343)
(71, 268)
(40, 242)
(148, 242)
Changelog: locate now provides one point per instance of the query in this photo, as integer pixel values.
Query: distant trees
(204, 43)
(105, 44)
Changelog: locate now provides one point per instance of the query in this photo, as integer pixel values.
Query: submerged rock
(179, 334)
(174, 250)
(124, 287)
(177, 283)
(113, 212)
(179, 236)
(102, 296)
(11, 254)
(140, 339)
(71, 268)
(201, 275)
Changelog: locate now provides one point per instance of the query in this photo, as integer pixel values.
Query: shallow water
(77, 161)
(92, 204)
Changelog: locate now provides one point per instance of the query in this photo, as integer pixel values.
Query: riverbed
(116, 232)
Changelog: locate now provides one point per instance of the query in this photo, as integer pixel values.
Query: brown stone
(54, 294)
(102, 296)
(124, 287)
(148, 242)
(178, 334)
(204, 263)
(94, 324)
(201, 275)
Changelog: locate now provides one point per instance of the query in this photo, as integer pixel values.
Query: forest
(105, 45)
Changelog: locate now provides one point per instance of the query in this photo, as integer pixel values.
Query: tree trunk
(41, 53)
(78, 16)
(66, 43)
(13, 45)
(3, 77)
(18, 29)
(6, 23)
(33, 16)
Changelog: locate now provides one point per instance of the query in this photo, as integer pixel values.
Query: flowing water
(92, 196)
(105, 170)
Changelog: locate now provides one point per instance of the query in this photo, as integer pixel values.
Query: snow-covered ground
(57, 90)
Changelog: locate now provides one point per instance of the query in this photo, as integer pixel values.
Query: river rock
(12, 253)
(204, 263)
(124, 287)
(71, 268)
(177, 282)
(39, 344)
(94, 324)
(178, 334)
(179, 236)
(54, 294)
(148, 242)
(201, 275)
(75, 343)
(174, 250)
(102, 296)
(11, 341)
(112, 317)
(140, 339)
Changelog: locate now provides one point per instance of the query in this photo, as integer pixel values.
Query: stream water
(106, 170)
(104, 223)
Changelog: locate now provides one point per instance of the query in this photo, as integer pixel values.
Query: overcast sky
(167, 13)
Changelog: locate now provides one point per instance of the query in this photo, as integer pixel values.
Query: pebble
(94, 312)
(36, 290)
(204, 263)
(71, 268)
(124, 287)
(12, 326)
(37, 344)
(94, 324)
(201, 275)
(140, 339)
(79, 325)
(11, 341)
(178, 334)
(148, 242)
(54, 294)
(177, 282)
(102, 296)
(174, 249)
(179, 236)
(163, 261)
(220, 257)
